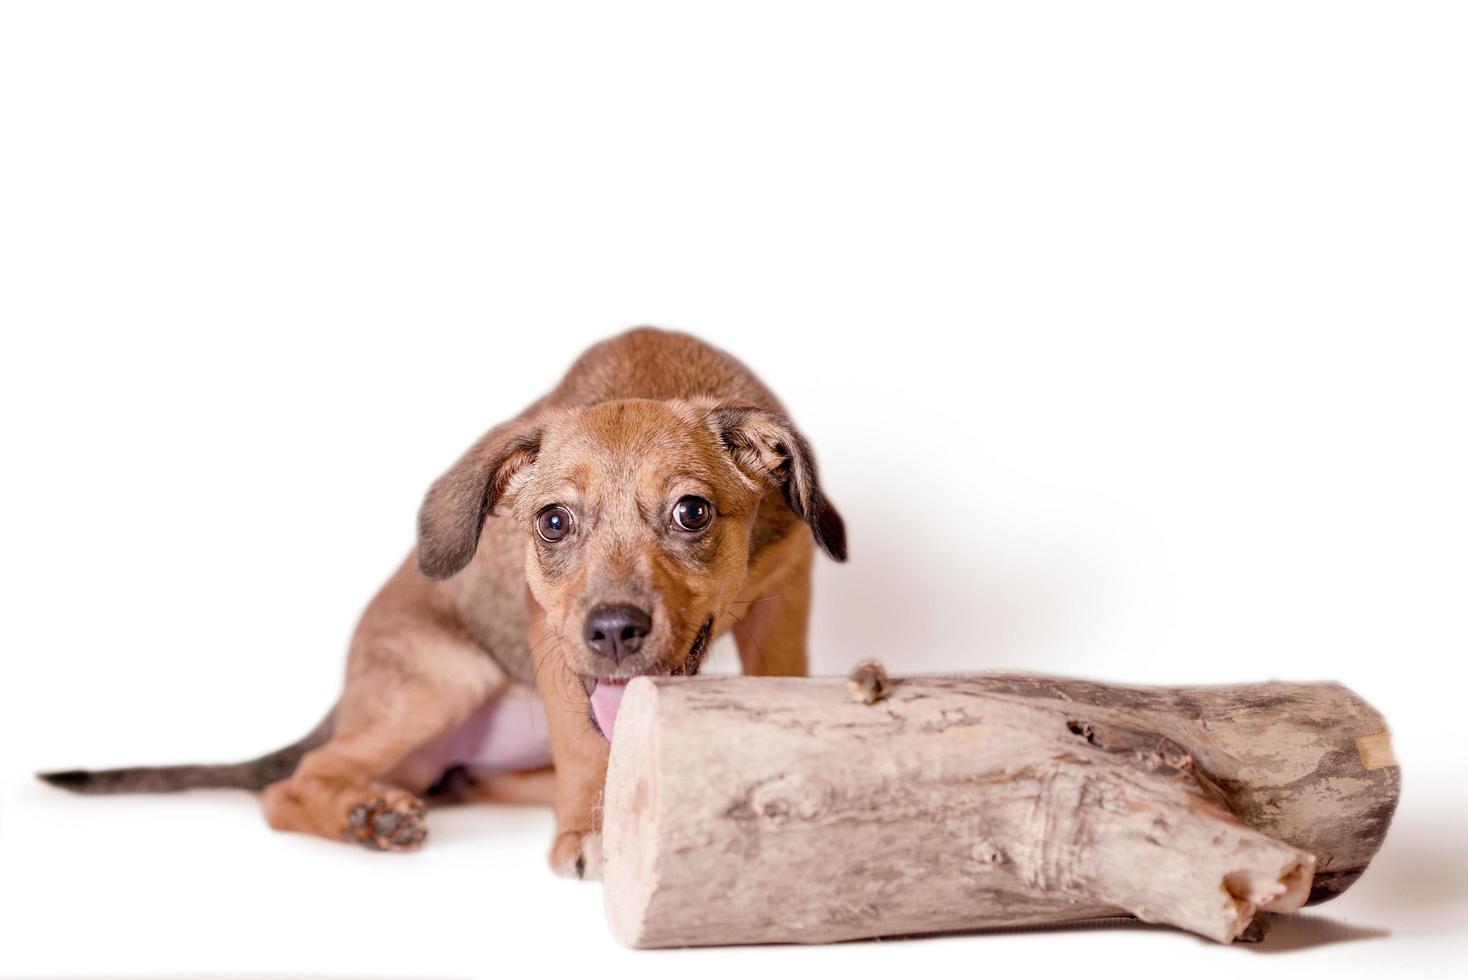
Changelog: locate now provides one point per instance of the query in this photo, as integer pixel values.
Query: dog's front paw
(577, 854)
(393, 821)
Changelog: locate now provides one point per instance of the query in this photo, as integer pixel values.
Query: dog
(657, 497)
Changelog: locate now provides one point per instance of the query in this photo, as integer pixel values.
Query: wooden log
(763, 809)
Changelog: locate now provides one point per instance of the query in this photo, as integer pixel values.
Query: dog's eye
(693, 513)
(553, 523)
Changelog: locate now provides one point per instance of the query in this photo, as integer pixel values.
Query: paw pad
(383, 826)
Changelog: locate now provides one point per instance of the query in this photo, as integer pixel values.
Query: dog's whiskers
(530, 652)
(750, 602)
(757, 651)
(541, 664)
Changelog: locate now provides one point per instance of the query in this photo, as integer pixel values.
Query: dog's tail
(254, 774)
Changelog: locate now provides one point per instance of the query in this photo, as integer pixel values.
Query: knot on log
(868, 682)
(784, 798)
(985, 855)
(1148, 749)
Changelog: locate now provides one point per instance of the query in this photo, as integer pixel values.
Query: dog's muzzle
(605, 693)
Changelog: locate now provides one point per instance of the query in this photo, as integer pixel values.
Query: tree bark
(767, 809)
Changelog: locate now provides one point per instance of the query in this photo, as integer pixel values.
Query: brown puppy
(612, 529)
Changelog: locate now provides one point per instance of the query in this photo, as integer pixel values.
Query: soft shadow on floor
(1421, 869)
(1289, 933)
(1419, 881)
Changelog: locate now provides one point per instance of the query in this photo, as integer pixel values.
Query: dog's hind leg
(410, 678)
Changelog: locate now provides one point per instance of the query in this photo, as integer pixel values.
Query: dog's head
(638, 517)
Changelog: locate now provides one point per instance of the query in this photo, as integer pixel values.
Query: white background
(1129, 337)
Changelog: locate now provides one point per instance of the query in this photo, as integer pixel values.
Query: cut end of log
(1376, 750)
(630, 843)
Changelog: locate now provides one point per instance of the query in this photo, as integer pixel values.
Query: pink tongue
(605, 701)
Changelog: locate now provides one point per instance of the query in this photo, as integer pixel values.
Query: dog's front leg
(580, 753)
(770, 630)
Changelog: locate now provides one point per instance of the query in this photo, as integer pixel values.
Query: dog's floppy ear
(767, 447)
(457, 504)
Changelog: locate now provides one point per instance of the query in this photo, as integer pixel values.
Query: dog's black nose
(617, 631)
